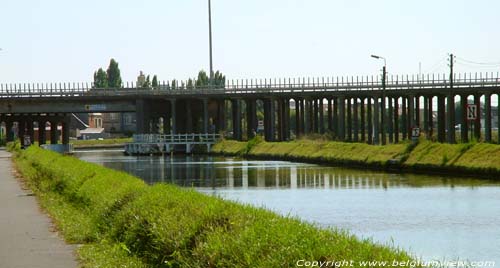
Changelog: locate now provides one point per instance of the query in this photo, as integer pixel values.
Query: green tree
(190, 84)
(113, 74)
(154, 83)
(204, 81)
(174, 84)
(147, 83)
(100, 79)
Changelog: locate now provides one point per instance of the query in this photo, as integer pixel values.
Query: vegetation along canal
(433, 217)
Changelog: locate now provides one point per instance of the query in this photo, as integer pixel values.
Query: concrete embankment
(471, 159)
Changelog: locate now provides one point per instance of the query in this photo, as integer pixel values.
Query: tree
(100, 79)
(147, 83)
(174, 84)
(204, 81)
(113, 74)
(154, 83)
(190, 84)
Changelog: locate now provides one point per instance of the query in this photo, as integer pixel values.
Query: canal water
(436, 218)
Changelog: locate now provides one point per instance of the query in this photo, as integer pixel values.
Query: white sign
(27, 140)
(415, 132)
(471, 112)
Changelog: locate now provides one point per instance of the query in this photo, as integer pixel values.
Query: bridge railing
(176, 138)
(248, 86)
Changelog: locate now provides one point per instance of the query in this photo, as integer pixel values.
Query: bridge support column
(341, 118)
(404, 118)
(464, 126)
(65, 130)
(205, 115)
(269, 120)
(280, 120)
(302, 117)
(173, 116)
(321, 109)
(477, 122)
(411, 115)
(383, 120)
(53, 132)
(308, 116)
(9, 130)
(189, 117)
(441, 119)
(369, 119)
(426, 115)
(349, 119)
(430, 119)
(21, 128)
(487, 117)
(390, 116)
(450, 119)
(252, 124)
(297, 117)
(355, 121)
(221, 116)
(42, 136)
(362, 119)
(335, 122)
(417, 112)
(30, 131)
(235, 105)
(286, 119)
(330, 114)
(142, 117)
(376, 121)
(396, 119)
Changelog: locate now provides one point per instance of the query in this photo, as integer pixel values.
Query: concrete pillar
(236, 109)
(390, 116)
(355, 121)
(21, 128)
(477, 122)
(314, 124)
(221, 116)
(404, 118)
(362, 119)
(42, 139)
(417, 111)
(142, 116)
(205, 115)
(65, 130)
(441, 119)
(30, 131)
(286, 120)
(430, 119)
(464, 127)
(341, 118)
(369, 119)
(269, 120)
(376, 121)
(173, 114)
(302, 117)
(54, 137)
(450, 119)
(335, 122)
(383, 121)
(8, 129)
(297, 117)
(426, 115)
(189, 117)
(487, 117)
(321, 116)
(252, 123)
(349, 119)
(411, 115)
(280, 128)
(330, 115)
(396, 120)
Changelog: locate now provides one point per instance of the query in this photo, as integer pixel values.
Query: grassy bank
(470, 158)
(122, 222)
(105, 142)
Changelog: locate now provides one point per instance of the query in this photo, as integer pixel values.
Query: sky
(66, 41)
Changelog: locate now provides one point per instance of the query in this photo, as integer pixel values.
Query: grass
(472, 158)
(101, 142)
(122, 222)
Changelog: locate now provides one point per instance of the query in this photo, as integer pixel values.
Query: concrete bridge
(357, 109)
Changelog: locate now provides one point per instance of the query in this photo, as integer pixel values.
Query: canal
(436, 218)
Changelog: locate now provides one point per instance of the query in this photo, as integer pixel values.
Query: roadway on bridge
(25, 236)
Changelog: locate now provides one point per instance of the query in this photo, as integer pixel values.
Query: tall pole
(210, 40)
(382, 112)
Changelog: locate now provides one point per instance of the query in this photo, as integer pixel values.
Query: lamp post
(384, 76)
(210, 41)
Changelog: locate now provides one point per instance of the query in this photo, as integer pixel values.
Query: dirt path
(25, 237)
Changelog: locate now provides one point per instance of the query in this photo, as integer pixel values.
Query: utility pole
(210, 41)
(451, 70)
(382, 119)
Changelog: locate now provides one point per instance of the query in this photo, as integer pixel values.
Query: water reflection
(229, 173)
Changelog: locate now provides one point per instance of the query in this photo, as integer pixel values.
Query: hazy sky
(56, 40)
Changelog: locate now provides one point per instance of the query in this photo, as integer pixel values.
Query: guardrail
(176, 139)
(478, 80)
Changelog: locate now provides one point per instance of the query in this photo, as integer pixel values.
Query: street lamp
(384, 75)
(210, 41)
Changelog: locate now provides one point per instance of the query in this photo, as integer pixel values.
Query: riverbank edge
(100, 146)
(121, 221)
(399, 163)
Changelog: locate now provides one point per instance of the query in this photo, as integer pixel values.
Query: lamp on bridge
(384, 76)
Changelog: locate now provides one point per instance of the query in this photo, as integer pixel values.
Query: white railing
(177, 138)
(249, 86)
